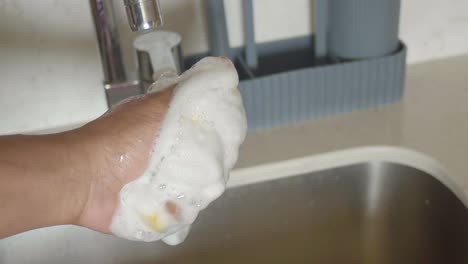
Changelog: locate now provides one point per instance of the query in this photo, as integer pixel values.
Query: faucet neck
(108, 41)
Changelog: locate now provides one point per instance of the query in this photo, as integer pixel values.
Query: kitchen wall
(431, 28)
(50, 74)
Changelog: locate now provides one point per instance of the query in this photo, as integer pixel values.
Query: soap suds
(196, 148)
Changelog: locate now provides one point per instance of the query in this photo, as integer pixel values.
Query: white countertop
(428, 129)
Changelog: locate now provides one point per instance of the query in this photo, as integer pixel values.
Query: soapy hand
(75, 177)
(143, 171)
(119, 146)
(165, 173)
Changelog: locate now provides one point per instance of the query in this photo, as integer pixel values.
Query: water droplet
(173, 148)
(427, 202)
(121, 158)
(180, 196)
(162, 186)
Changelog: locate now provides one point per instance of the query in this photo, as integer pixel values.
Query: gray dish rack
(285, 82)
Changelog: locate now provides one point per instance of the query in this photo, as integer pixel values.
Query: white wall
(431, 28)
(434, 28)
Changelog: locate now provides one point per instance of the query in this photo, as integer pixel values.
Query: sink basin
(375, 212)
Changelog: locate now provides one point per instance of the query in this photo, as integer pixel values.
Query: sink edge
(335, 159)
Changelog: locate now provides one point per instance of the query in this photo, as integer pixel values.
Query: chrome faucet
(143, 16)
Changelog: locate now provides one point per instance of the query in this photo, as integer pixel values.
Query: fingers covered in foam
(191, 158)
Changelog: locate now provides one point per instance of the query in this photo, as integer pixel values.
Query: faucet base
(117, 92)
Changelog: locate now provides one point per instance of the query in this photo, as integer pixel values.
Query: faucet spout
(143, 15)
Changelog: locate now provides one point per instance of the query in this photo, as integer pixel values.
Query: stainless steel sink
(368, 213)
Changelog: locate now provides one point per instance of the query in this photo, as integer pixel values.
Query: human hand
(117, 148)
(77, 177)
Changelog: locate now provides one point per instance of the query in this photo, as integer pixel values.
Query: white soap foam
(197, 147)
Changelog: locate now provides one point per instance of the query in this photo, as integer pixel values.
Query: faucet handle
(143, 15)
